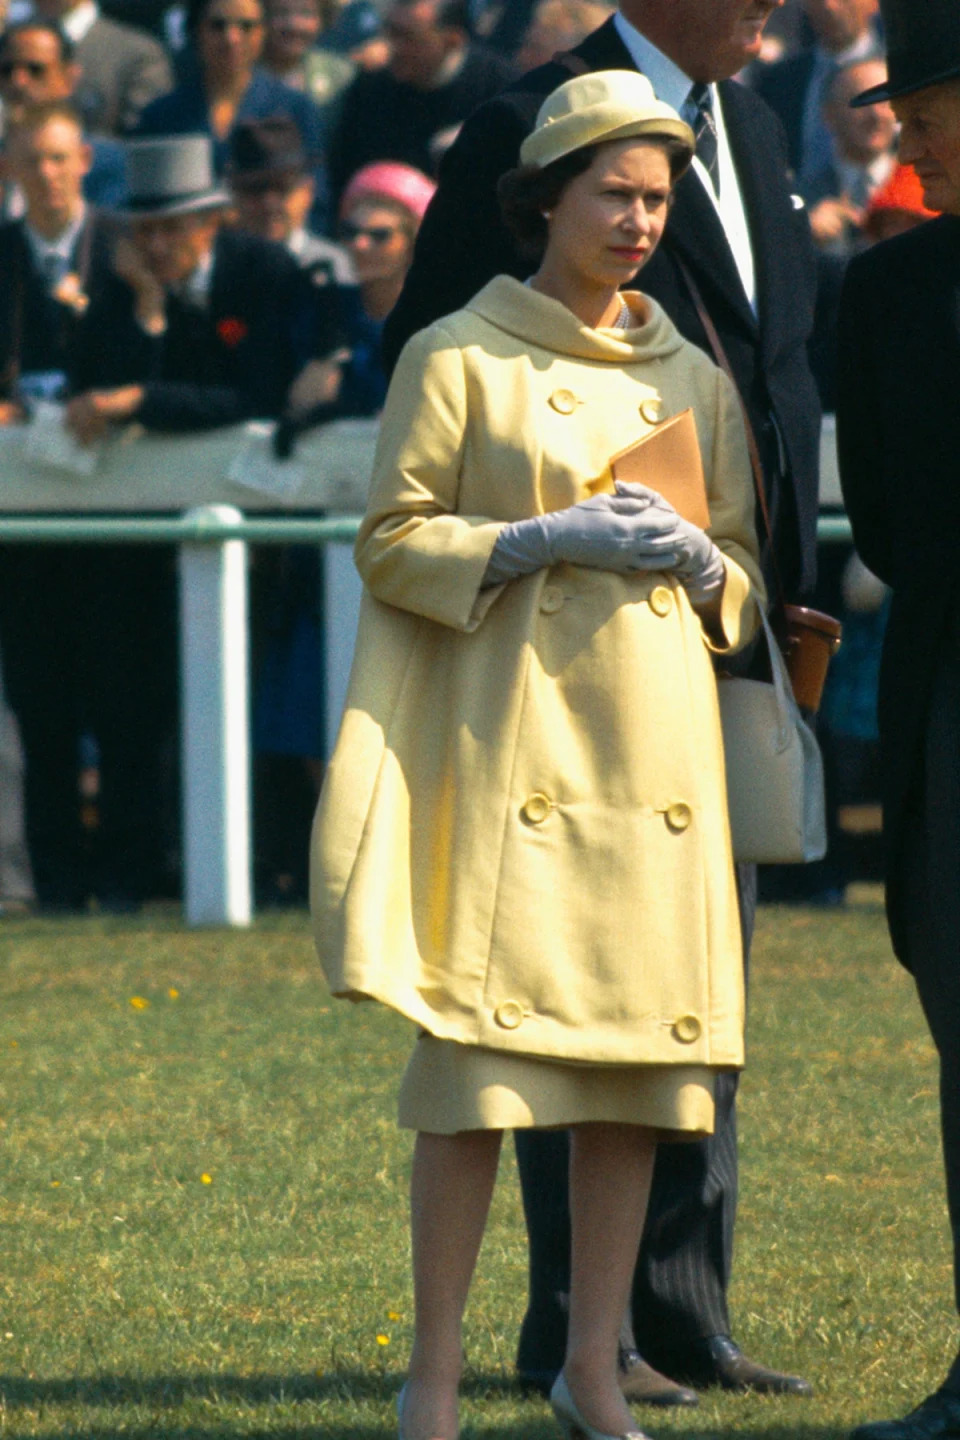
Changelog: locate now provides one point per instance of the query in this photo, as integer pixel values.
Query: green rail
(194, 528)
(191, 528)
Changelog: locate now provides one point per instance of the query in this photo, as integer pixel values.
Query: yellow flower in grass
(206, 1179)
(383, 1339)
(174, 993)
(139, 1002)
(393, 1315)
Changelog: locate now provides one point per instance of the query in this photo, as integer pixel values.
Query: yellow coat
(522, 841)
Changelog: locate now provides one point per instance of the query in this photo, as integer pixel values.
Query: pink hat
(389, 180)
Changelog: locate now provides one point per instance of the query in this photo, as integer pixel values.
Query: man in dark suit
(53, 264)
(797, 87)
(736, 229)
(201, 319)
(899, 438)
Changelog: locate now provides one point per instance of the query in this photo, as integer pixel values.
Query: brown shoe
(642, 1385)
(720, 1361)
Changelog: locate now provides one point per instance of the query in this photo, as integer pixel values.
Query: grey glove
(699, 564)
(607, 532)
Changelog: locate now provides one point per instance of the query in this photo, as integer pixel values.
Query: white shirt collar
(79, 20)
(669, 82)
(195, 288)
(62, 246)
(671, 85)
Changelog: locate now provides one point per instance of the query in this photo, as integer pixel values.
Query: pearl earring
(547, 214)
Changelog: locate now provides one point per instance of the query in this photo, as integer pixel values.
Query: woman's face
(230, 36)
(378, 236)
(609, 219)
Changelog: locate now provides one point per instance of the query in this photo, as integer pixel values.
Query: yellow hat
(604, 105)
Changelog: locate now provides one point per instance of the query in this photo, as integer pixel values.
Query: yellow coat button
(536, 808)
(687, 1029)
(651, 409)
(509, 1015)
(551, 600)
(564, 402)
(679, 815)
(661, 600)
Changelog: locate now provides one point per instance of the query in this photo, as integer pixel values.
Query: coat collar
(538, 320)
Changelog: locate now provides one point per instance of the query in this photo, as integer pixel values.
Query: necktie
(700, 106)
(53, 269)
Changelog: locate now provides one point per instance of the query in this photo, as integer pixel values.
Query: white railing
(138, 481)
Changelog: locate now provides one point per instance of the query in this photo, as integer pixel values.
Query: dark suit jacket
(384, 119)
(232, 361)
(784, 87)
(898, 426)
(36, 331)
(463, 242)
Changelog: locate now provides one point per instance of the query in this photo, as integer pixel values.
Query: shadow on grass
(165, 1392)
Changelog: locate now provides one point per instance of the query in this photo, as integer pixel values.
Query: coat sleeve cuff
(739, 615)
(433, 567)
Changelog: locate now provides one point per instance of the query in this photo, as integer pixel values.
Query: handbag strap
(720, 356)
(571, 61)
(787, 712)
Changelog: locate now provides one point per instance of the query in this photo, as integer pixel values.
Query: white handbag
(775, 788)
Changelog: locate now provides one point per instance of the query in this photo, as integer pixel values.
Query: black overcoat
(463, 243)
(898, 425)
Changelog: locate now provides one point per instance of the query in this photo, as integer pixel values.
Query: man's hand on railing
(89, 415)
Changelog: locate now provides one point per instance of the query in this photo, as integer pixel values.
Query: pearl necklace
(624, 320)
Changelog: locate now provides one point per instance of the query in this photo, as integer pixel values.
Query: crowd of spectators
(208, 210)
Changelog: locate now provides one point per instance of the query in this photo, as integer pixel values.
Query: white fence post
(215, 745)
(343, 591)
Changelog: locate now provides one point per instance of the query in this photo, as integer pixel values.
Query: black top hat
(262, 149)
(923, 47)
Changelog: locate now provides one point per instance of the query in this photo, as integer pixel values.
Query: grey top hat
(923, 47)
(171, 175)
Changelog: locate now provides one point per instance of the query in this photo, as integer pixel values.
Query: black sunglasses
(36, 69)
(376, 234)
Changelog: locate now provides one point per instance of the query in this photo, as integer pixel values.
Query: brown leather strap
(720, 355)
(572, 62)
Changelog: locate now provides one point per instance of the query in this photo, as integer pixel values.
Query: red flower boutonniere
(231, 330)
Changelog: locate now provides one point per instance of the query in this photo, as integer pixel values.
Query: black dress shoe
(642, 1385)
(937, 1418)
(718, 1360)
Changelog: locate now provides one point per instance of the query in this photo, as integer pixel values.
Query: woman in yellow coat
(522, 843)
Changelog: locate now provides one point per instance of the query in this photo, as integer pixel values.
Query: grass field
(202, 1203)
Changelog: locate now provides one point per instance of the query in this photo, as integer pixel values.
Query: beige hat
(604, 105)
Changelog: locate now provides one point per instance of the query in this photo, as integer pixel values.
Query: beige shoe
(572, 1422)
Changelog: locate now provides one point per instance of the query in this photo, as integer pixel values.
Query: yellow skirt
(448, 1087)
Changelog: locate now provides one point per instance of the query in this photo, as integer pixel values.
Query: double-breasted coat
(463, 242)
(522, 842)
